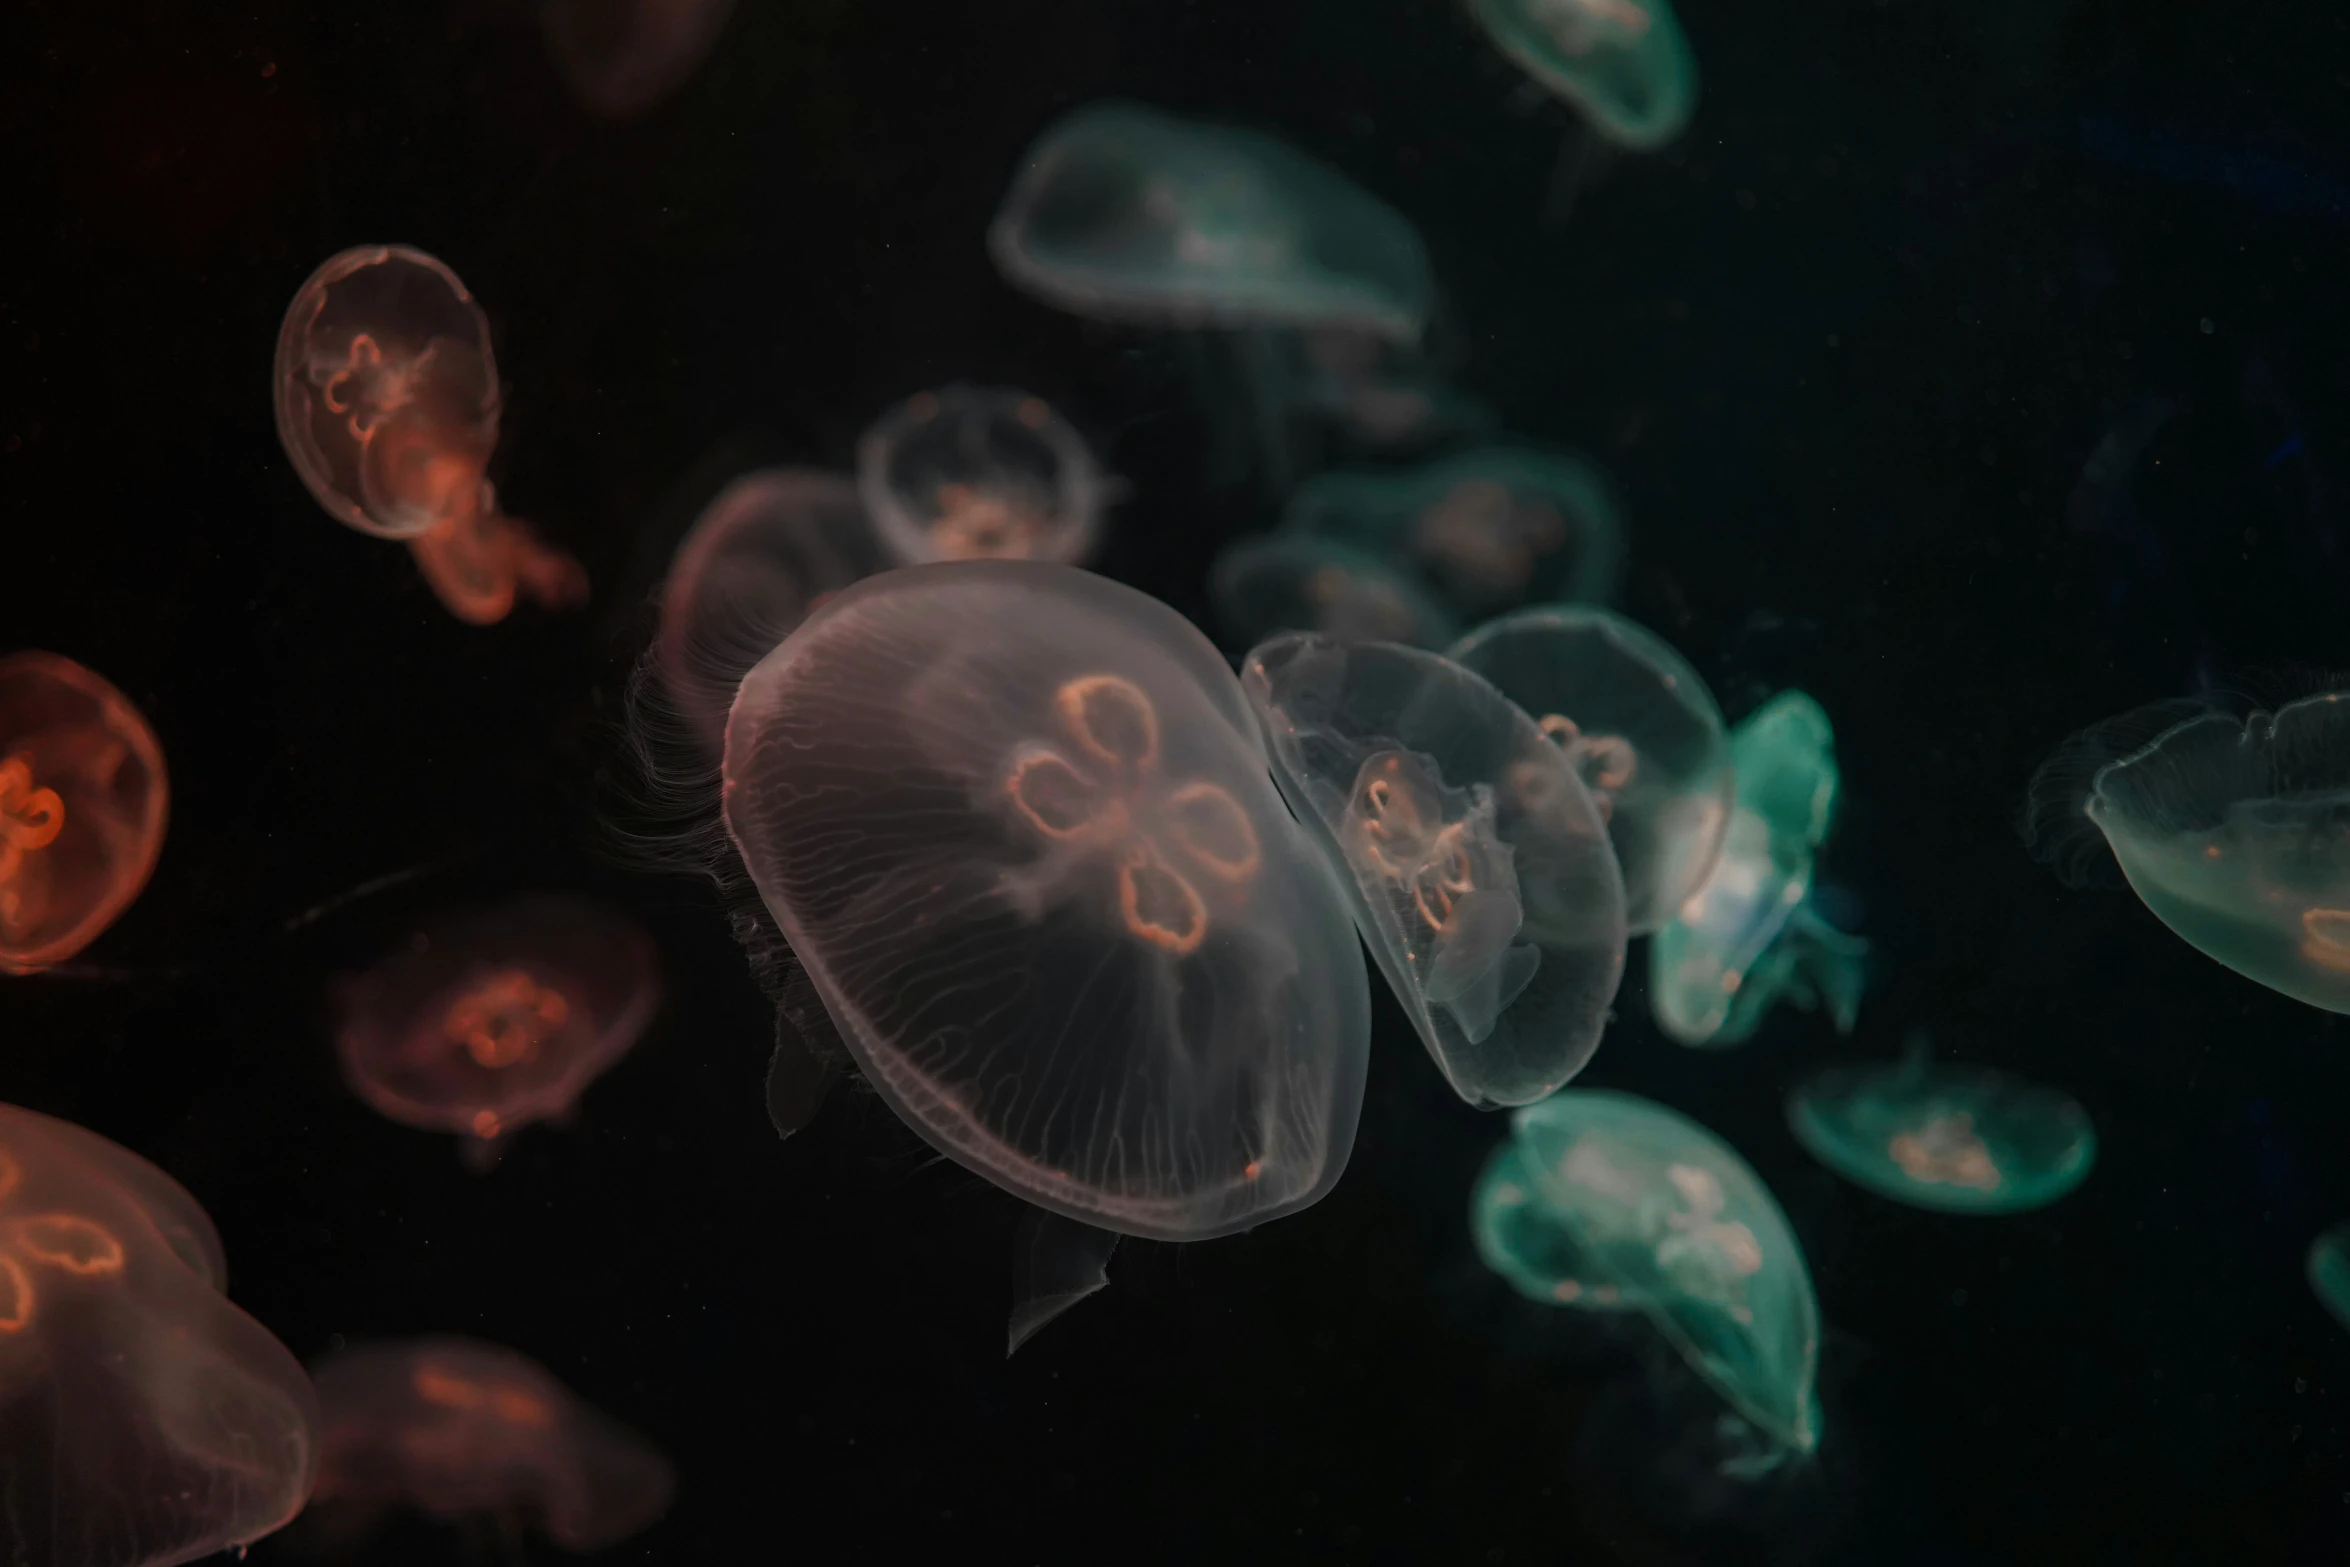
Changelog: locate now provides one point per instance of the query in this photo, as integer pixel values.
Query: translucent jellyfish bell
(1286, 582)
(1666, 1211)
(83, 801)
(1957, 1139)
(144, 1420)
(1624, 63)
(1015, 821)
(624, 56)
(1749, 937)
(1520, 1238)
(2329, 1271)
(1641, 729)
(980, 473)
(1482, 878)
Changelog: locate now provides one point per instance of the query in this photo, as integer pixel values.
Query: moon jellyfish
(1378, 397)
(1283, 583)
(2235, 832)
(1490, 527)
(1014, 820)
(83, 800)
(1957, 1139)
(1520, 1238)
(1641, 729)
(457, 1429)
(1664, 1210)
(2329, 1271)
(1749, 936)
(144, 1420)
(979, 473)
(1624, 64)
(497, 1017)
(771, 548)
(624, 56)
(1482, 879)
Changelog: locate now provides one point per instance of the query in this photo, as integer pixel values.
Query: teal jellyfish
(1750, 936)
(1283, 583)
(1641, 729)
(1480, 871)
(1657, 1206)
(1624, 64)
(2329, 1271)
(1519, 1237)
(1490, 527)
(2234, 831)
(1957, 1139)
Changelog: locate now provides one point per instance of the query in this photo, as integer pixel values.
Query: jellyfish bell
(1519, 1237)
(624, 56)
(1624, 64)
(2329, 1272)
(1943, 1136)
(1280, 582)
(980, 473)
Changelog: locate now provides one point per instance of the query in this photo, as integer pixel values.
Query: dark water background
(1978, 367)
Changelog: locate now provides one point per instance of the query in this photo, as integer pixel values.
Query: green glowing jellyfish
(1282, 582)
(1519, 1237)
(1749, 936)
(1957, 1139)
(1641, 729)
(1659, 1207)
(1624, 64)
(2329, 1271)
(1490, 527)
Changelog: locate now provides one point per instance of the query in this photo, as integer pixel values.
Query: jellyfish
(1749, 936)
(1640, 727)
(144, 1420)
(1014, 820)
(83, 801)
(497, 1017)
(1489, 528)
(1285, 583)
(1383, 397)
(1662, 1209)
(2235, 832)
(2329, 1271)
(1519, 1238)
(623, 56)
(771, 548)
(1624, 64)
(980, 473)
(457, 1429)
(1482, 878)
(1956, 1139)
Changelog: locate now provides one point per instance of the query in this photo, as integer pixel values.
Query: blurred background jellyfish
(1520, 1238)
(1482, 878)
(144, 1420)
(1491, 527)
(1749, 936)
(2329, 1271)
(980, 473)
(460, 1430)
(623, 56)
(2231, 830)
(1381, 397)
(1639, 726)
(1624, 64)
(1281, 582)
(83, 801)
(497, 1017)
(1944, 1136)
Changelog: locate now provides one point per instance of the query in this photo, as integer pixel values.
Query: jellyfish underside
(1520, 1238)
(979, 473)
(1944, 1137)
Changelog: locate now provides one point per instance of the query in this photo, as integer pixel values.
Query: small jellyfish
(457, 1429)
(1014, 820)
(1664, 1210)
(1957, 1139)
(497, 1017)
(2329, 1271)
(769, 550)
(2235, 832)
(1624, 64)
(980, 473)
(1749, 936)
(1483, 881)
(1519, 1238)
(1489, 528)
(144, 1420)
(1284, 582)
(83, 801)
(1641, 729)
(623, 56)
(1381, 397)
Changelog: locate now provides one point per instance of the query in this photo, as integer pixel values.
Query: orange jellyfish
(82, 806)
(458, 1429)
(144, 1420)
(498, 1017)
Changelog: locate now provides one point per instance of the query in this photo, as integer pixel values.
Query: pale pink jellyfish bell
(623, 56)
(980, 473)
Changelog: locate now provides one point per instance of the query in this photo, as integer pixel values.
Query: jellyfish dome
(1625, 64)
(1490, 527)
(497, 1017)
(1749, 937)
(1014, 819)
(1520, 1238)
(83, 800)
(1687, 1231)
(979, 473)
(457, 1429)
(1285, 582)
(624, 56)
(144, 1420)
(1640, 727)
(1956, 1139)
(1482, 878)
(1124, 213)
(2329, 1271)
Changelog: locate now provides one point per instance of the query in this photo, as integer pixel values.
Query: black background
(1848, 346)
